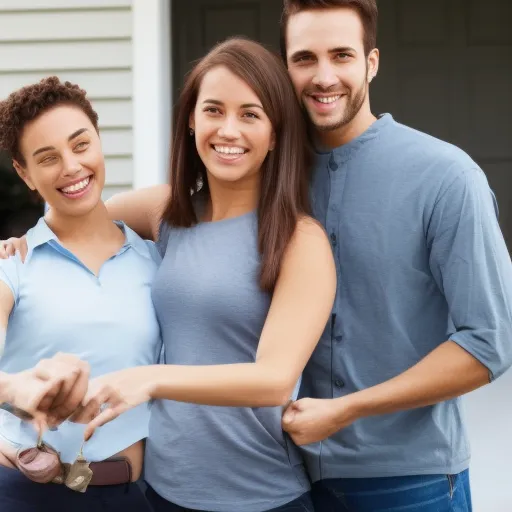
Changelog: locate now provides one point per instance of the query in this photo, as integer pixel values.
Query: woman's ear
(22, 173)
(272, 142)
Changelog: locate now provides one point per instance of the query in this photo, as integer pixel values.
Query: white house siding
(88, 42)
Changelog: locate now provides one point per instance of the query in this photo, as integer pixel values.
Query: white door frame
(152, 91)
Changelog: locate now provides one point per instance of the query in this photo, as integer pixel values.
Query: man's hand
(311, 420)
(9, 247)
(51, 391)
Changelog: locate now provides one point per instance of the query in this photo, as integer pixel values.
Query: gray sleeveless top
(211, 311)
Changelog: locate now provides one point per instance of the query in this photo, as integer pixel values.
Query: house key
(79, 474)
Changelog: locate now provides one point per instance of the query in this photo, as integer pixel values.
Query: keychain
(78, 475)
(40, 464)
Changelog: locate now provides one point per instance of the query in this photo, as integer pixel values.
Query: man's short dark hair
(367, 10)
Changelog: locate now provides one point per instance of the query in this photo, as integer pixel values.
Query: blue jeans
(19, 494)
(301, 504)
(427, 493)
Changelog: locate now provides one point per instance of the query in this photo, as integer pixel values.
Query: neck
(95, 224)
(348, 132)
(232, 199)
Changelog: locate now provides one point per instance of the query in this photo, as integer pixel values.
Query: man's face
(327, 64)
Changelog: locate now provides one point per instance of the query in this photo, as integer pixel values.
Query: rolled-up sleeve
(471, 265)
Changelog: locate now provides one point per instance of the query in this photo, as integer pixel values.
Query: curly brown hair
(29, 102)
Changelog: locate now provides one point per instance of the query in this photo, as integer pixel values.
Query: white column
(151, 90)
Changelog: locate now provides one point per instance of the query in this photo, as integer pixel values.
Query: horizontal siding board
(87, 42)
(71, 55)
(99, 84)
(29, 5)
(119, 170)
(52, 26)
(117, 142)
(114, 113)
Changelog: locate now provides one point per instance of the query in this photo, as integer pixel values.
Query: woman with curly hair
(84, 289)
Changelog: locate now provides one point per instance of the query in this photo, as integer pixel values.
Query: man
(424, 301)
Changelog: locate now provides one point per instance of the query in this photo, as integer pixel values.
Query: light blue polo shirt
(108, 321)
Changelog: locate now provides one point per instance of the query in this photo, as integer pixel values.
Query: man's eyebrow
(71, 137)
(306, 53)
(342, 49)
(300, 53)
(245, 105)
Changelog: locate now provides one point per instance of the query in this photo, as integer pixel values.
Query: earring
(191, 131)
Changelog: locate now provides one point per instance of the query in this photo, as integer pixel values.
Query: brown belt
(115, 471)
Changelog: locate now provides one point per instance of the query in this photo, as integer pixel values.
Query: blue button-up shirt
(109, 321)
(420, 259)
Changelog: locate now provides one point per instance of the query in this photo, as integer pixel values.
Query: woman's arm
(6, 305)
(141, 210)
(301, 306)
(58, 384)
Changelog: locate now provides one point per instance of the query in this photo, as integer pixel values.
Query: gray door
(199, 24)
(446, 68)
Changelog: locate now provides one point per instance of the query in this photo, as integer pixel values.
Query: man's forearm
(447, 372)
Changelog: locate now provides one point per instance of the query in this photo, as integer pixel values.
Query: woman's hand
(111, 395)
(9, 247)
(49, 392)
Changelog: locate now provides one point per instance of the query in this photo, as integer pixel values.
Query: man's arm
(471, 265)
(141, 210)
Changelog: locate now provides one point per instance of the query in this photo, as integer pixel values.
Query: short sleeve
(9, 274)
(471, 265)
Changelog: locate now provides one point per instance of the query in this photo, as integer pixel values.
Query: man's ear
(373, 64)
(22, 173)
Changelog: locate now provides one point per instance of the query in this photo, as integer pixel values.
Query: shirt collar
(134, 241)
(370, 133)
(41, 234)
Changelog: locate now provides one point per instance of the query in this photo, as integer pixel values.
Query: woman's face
(64, 160)
(232, 131)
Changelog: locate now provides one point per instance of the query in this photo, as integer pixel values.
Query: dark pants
(428, 493)
(19, 494)
(301, 504)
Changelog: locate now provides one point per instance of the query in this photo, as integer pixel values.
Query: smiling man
(423, 312)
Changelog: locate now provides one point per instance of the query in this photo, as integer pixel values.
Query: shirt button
(338, 338)
(339, 383)
(333, 239)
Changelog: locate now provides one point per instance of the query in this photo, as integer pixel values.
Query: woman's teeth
(77, 187)
(229, 150)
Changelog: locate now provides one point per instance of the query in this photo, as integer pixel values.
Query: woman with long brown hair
(243, 294)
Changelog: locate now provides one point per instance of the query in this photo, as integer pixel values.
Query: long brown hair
(283, 195)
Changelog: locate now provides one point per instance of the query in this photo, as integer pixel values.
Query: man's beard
(354, 104)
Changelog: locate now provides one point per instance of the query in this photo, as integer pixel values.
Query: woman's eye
(81, 145)
(251, 115)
